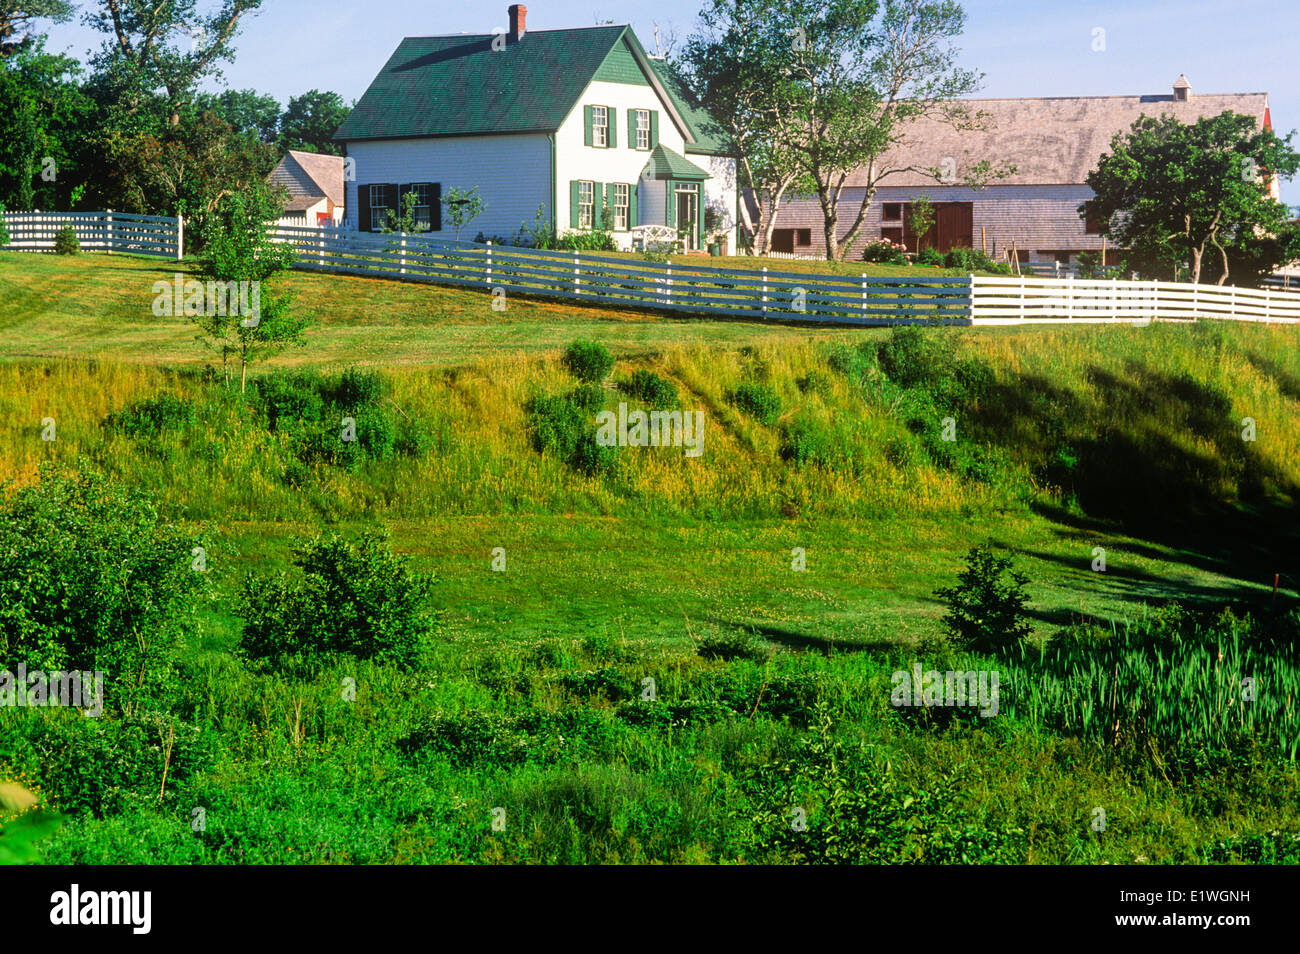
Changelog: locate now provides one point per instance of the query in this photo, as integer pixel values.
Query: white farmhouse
(581, 123)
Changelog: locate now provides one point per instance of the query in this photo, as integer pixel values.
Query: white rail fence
(611, 280)
(98, 231)
(1030, 301)
(696, 289)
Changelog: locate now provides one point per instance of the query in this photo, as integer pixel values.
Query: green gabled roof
(460, 86)
(666, 164)
(710, 139)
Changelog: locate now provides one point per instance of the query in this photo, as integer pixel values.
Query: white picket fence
(98, 231)
(612, 280)
(1028, 301)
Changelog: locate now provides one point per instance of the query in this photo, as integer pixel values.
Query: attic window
(600, 127)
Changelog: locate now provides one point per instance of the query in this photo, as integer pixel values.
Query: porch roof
(666, 164)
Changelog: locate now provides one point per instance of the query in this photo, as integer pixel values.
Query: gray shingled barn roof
(1053, 141)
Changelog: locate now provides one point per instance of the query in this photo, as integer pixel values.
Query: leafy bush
(929, 256)
(651, 388)
(588, 361)
(735, 644)
(594, 240)
(804, 440)
(814, 382)
(91, 579)
(564, 426)
(986, 609)
(4, 229)
(885, 252)
(855, 362)
(970, 260)
(759, 401)
(353, 599)
(915, 358)
(66, 241)
(152, 416)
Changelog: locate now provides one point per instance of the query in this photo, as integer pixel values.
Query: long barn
(1053, 143)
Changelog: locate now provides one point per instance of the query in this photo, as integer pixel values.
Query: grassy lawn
(1069, 440)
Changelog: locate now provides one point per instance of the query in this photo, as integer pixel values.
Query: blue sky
(1042, 48)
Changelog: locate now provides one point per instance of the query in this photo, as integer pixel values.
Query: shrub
(4, 229)
(588, 361)
(885, 252)
(91, 579)
(152, 416)
(66, 241)
(970, 260)
(804, 440)
(815, 382)
(596, 240)
(986, 609)
(854, 362)
(564, 426)
(353, 599)
(929, 256)
(759, 401)
(737, 644)
(651, 388)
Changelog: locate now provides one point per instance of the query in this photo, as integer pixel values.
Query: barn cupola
(518, 22)
(1182, 89)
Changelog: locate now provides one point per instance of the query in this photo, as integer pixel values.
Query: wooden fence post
(970, 294)
(1069, 294)
(669, 283)
(764, 291)
(577, 279)
(180, 236)
(864, 296)
(489, 262)
(108, 231)
(402, 266)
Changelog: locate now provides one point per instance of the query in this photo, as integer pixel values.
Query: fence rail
(1027, 301)
(609, 279)
(97, 231)
(604, 279)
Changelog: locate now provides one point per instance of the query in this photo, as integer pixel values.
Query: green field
(772, 686)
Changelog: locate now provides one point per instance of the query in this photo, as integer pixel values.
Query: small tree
(463, 207)
(240, 249)
(986, 609)
(920, 218)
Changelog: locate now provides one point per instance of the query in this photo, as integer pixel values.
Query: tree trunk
(830, 223)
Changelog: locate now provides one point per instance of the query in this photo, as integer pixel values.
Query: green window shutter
(631, 128)
(632, 219)
(609, 197)
(654, 128)
(363, 208)
(392, 200)
(587, 138)
(574, 196)
(612, 139)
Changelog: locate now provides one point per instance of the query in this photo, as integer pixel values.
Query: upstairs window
(600, 127)
(643, 129)
(893, 212)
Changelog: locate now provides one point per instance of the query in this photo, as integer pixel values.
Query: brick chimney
(1182, 89)
(518, 22)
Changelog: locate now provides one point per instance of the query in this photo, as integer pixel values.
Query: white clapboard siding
(512, 174)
